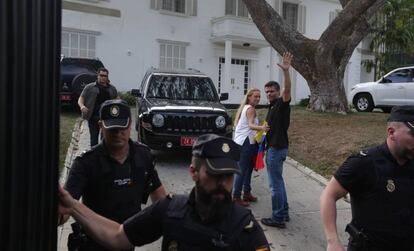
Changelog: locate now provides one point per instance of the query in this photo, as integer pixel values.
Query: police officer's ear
(193, 172)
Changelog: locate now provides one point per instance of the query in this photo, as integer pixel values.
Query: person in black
(380, 182)
(115, 177)
(278, 119)
(207, 219)
(91, 98)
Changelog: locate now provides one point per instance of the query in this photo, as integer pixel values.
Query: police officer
(380, 181)
(207, 219)
(115, 177)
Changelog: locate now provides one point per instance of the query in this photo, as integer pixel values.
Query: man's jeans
(274, 162)
(93, 131)
(246, 167)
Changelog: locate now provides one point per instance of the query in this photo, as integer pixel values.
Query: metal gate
(29, 123)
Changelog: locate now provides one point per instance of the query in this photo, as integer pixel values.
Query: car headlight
(220, 122)
(158, 120)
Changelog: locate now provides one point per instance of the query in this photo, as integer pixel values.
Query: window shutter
(277, 7)
(155, 4)
(302, 19)
(193, 7)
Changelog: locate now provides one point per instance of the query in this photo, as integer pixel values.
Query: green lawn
(68, 117)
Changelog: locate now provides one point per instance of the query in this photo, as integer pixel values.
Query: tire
(363, 102)
(80, 81)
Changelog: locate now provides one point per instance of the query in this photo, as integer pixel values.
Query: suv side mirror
(385, 80)
(136, 93)
(224, 96)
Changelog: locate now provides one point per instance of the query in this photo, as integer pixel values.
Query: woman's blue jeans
(274, 163)
(242, 181)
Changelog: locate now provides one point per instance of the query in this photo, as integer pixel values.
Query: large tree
(321, 62)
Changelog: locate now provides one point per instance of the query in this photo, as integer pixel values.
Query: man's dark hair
(273, 84)
(102, 69)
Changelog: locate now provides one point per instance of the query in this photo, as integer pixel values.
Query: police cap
(115, 113)
(221, 154)
(403, 114)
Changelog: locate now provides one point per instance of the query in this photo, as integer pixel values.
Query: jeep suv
(175, 107)
(395, 88)
(75, 74)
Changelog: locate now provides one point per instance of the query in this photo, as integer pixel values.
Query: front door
(239, 81)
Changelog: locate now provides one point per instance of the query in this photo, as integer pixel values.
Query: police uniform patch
(262, 248)
(225, 148)
(114, 110)
(390, 186)
(173, 246)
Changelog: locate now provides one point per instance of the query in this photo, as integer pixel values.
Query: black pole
(29, 123)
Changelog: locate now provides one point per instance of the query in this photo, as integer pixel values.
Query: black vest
(386, 213)
(182, 233)
(118, 203)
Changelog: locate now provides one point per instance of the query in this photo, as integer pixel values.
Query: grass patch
(68, 117)
(322, 141)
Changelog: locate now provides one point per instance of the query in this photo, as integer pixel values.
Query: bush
(127, 96)
(304, 102)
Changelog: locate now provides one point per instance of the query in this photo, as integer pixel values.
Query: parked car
(174, 107)
(75, 74)
(394, 88)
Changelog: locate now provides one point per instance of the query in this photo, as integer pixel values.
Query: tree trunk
(327, 94)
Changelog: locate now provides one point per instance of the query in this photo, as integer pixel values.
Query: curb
(72, 150)
(313, 175)
(307, 171)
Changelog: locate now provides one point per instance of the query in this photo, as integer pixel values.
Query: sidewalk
(303, 232)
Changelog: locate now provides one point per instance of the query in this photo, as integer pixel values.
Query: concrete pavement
(303, 232)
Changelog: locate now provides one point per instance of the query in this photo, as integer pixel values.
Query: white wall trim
(166, 41)
(68, 29)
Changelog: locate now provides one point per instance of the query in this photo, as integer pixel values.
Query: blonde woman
(246, 123)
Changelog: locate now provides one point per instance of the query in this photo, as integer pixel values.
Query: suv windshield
(181, 88)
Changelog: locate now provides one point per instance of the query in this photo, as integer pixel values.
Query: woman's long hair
(242, 104)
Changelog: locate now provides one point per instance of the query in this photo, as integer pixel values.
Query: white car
(395, 88)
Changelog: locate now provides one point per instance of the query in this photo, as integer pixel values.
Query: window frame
(234, 9)
(178, 59)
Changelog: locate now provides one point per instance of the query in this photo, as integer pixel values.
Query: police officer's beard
(209, 207)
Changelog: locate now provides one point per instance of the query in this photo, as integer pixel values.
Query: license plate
(65, 97)
(187, 141)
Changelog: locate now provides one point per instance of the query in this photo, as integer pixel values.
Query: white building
(214, 36)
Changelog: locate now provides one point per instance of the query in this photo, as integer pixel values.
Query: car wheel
(363, 103)
(80, 81)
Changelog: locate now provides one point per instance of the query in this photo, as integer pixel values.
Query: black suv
(75, 74)
(174, 107)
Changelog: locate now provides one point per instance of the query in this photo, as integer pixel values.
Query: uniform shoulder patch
(85, 153)
(249, 226)
(363, 153)
(262, 248)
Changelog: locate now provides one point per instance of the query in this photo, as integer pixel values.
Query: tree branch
(280, 36)
(347, 18)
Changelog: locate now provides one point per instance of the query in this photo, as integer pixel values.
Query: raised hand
(286, 61)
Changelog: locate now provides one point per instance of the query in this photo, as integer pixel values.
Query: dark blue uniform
(382, 200)
(115, 191)
(175, 219)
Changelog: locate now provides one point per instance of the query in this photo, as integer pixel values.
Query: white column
(227, 66)
(272, 64)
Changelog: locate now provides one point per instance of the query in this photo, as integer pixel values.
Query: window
(290, 14)
(78, 44)
(401, 76)
(236, 8)
(174, 5)
(172, 55)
